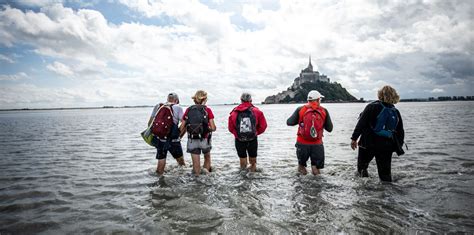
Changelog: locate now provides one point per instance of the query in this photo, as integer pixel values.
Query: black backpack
(197, 122)
(246, 125)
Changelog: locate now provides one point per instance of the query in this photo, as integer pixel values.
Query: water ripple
(88, 171)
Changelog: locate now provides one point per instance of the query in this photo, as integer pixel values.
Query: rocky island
(311, 80)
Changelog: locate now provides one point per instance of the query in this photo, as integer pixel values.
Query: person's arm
(361, 124)
(231, 123)
(182, 129)
(212, 125)
(294, 118)
(262, 123)
(328, 123)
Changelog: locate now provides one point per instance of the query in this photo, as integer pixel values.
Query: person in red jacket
(246, 122)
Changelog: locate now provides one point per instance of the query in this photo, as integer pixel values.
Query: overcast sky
(94, 53)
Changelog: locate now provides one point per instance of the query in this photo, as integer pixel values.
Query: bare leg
(243, 163)
(196, 164)
(207, 161)
(253, 164)
(180, 161)
(160, 168)
(302, 170)
(315, 170)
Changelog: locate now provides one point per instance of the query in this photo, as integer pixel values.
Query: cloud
(208, 23)
(459, 65)
(60, 69)
(57, 32)
(13, 77)
(437, 90)
(7, 59)
(38, 3)
(31, 96)
(416, 46)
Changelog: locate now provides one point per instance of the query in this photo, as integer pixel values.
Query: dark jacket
(368, 138)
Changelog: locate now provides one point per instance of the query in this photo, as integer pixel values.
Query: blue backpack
(387, 122)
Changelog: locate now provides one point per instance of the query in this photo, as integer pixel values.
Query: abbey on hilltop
(308, 75)
(311, 80)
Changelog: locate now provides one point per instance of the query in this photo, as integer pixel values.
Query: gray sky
(94, 53)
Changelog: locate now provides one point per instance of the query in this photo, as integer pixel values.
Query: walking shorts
(164, 146)
(198, 146)
(244, 147)
(315, 152)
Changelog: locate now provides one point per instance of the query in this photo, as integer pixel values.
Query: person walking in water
(165, 119)
(311, 119)
(246, 122)
(380, 128)
(198, 122)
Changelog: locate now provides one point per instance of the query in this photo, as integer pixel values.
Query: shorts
(163, 147)
(244, 147)
(198, 146)
(313, 151)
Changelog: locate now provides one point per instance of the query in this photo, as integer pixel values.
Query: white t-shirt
(177, 112)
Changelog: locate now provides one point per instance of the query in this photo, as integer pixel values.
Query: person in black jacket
(372, 145)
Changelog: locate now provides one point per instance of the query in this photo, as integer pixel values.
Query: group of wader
(378, 133)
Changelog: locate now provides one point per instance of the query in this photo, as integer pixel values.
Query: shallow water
(84, 171)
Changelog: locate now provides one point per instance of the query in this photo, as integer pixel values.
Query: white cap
(314, 95)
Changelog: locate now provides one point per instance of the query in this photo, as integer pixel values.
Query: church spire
(310, 66)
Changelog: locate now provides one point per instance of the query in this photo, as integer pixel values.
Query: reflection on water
(83, 171)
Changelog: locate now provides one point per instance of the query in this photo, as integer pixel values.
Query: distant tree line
(440, 98)
(443, 98)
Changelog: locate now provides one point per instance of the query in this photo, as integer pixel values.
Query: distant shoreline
(151, 106)
(79, 108)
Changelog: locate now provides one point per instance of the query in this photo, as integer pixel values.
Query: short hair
(172, 97)
(199, 97)
(388, 95)
(246, 97)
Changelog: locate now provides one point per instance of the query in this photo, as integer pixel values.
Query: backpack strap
(205, 111)
(171, 108)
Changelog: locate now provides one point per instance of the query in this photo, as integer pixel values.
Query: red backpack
(311, 123)
(163, 122)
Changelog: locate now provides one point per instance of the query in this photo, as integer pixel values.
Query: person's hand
(354, 144)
